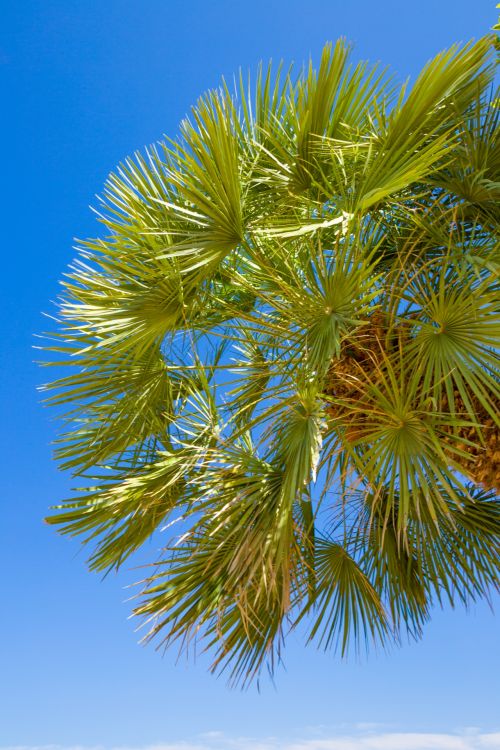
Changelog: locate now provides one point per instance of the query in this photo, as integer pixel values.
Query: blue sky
(83, 85)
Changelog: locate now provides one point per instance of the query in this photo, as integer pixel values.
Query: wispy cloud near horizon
(468, 740)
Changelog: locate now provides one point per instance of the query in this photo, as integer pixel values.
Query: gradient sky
(84, 83)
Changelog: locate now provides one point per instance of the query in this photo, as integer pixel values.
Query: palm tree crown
(286, 341)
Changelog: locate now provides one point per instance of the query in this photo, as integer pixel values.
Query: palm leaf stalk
(286, 339)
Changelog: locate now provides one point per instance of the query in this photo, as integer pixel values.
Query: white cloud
(400, 741)
(367, 740)
(491, 741)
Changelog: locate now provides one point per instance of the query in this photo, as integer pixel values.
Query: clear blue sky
(84, 83)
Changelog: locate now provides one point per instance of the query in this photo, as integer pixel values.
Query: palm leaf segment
(286, 340)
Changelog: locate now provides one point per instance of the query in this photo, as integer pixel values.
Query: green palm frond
(347, 607)
(283, 346)
(234, 573)
(120, 515)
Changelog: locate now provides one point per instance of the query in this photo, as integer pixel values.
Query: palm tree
(282, 347)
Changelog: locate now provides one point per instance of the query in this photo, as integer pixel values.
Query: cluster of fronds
(286, 340)
(475, 448)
